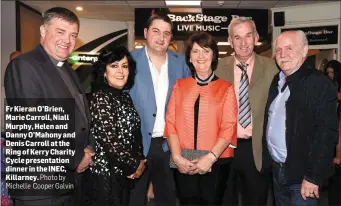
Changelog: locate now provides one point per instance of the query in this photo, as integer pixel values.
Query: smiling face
(243, 39)
(117, 73)
(290, 52)
(59, 38)
(201, 58)
(158, 35)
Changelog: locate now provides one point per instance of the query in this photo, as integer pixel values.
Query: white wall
(8, 43)
(91, 29)
(8, 33)
(322, 14)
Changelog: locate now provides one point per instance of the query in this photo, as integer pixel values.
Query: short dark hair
(109, 56)
(61, 13)
(205, 40)
(162, 17)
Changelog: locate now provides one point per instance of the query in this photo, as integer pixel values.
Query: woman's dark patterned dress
(115, 125)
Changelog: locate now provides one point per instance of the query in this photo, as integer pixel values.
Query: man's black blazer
(33, 75)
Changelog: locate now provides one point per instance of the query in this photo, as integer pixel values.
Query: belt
(157, 137)
(281, 164)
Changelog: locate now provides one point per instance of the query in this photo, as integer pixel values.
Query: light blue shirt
(275, 131)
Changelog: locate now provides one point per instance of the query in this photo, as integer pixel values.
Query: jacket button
(83, 129)
(150, 133)
(154, 115)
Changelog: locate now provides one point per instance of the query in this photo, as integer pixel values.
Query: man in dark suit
(43, 74)
(251, 75)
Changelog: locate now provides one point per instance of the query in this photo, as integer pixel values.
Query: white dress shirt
(160, 83)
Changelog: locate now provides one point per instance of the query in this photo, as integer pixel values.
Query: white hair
(300, 34)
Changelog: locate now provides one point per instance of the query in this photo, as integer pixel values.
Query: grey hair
(241, 20)
(62, 13)
(300, 34)
(303, 37)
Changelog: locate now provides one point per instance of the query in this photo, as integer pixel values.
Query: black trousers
(253, 184)
(70, 199)
(207, 189)
(162, 177)
(45, 201)
(334, 188)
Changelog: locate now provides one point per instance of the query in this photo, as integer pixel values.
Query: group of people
(219, 121)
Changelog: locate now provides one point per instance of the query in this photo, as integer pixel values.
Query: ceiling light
(223, 43)
(225, 52)
(138, 47)
(183, 3)
(259, 43)
(79, 8)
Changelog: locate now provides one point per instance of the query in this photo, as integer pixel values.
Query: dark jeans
(285, 194)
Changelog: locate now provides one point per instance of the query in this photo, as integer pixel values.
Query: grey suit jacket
(263, 72)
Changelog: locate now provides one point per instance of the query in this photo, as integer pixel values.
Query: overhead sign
(214, 21)
(319, 35)
(83, 58)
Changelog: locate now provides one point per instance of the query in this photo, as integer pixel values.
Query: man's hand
(86, 161)
(309, 190)
(139, 170)
(90, 151)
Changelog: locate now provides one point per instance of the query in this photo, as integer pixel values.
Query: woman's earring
(105, 79)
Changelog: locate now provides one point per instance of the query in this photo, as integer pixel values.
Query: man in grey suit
(43, 74)
(157, 70)
(251, 75)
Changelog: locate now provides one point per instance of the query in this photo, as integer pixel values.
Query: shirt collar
(150, 61)
(248, 61)
(56, 62)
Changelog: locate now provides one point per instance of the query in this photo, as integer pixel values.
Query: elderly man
(300, 128)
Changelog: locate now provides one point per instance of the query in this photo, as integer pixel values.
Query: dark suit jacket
(262, 75)
(34, 77)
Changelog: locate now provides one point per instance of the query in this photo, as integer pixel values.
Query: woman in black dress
(115, 125)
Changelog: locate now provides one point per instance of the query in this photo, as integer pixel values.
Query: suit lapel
(257, 72)
(172, 63)
(75, 79)
(254, 87)
(229, 66)
(146, 75)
